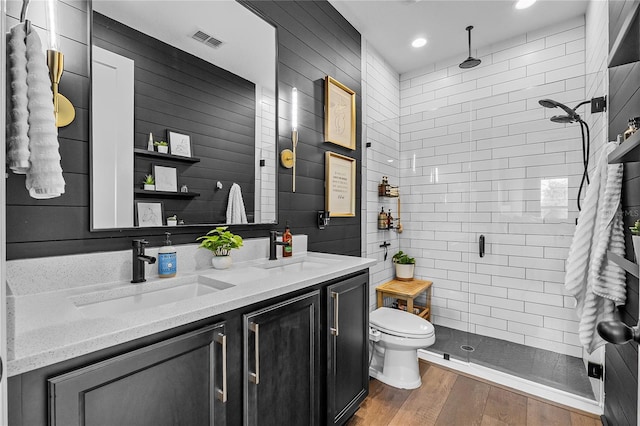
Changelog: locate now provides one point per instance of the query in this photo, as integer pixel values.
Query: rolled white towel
(44, 177)
(17, 138)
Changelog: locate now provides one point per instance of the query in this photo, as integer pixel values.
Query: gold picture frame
(339, 114)
(340, 185)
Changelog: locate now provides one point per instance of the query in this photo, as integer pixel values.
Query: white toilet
(397, 336)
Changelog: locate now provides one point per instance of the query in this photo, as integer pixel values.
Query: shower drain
(467, 348)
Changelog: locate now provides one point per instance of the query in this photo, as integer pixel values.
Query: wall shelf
(627, 152)
(159, 155)
(625, 264)
(164, 194)
(626, 46)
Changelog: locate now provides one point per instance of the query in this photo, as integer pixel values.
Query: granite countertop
(52, 326)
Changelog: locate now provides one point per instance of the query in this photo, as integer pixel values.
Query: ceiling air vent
(205, 38)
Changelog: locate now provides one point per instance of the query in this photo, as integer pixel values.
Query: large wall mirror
(199, 76)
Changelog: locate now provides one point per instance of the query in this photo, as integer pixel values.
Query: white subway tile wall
(479, 155)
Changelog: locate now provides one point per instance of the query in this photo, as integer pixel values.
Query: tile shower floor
(549, 368)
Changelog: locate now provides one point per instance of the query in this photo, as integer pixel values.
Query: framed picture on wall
(179, 143)
(166, 178)
(339, 114)
(149, 214)
(340, 185)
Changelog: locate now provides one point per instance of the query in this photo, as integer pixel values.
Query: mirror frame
(190, 228)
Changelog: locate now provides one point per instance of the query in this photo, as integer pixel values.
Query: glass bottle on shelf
(389, 220)
(382, 188)
(382, 219)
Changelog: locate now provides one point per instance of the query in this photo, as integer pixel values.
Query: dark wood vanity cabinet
(278, 361)
(178, 381)
(347, 347)
(282, 363)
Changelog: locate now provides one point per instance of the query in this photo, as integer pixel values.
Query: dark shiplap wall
(178, 91)
(621, 375)
(314, 41)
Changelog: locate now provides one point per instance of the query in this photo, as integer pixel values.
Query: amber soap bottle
(287, 250)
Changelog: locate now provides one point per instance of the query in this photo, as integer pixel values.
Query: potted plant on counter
(172, 220)
(635, 238)
(162, 146)
(149, 183)
(220, 242)
(405, 266)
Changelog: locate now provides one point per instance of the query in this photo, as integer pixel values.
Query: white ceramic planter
(636, 246)
(404, 272)
(163, 149)
(149, 187)
(221, 262)
(172, 222)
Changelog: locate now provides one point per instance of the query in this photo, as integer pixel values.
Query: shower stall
(490, 181)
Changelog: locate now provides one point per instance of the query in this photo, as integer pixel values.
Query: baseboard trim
(527, 386)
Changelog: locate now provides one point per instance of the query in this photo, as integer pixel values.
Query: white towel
(596, 283)
(44, 173)
(18, 140)
(235, 206)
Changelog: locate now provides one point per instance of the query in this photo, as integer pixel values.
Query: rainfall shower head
(470, 62)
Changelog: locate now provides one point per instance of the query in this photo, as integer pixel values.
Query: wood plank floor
(452, 399)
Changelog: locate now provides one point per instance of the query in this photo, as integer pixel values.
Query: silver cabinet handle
(222, 393)
(255, 377)
(335, 330)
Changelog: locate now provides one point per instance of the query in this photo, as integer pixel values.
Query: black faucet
(138, 260)
(273, 242)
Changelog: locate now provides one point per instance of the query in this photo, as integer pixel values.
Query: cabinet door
(347, 344)
(178, 381)
(281, 359)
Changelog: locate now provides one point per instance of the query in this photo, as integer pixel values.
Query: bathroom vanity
(265, 342)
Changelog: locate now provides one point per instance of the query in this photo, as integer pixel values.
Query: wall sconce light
(323, 219)
(287, 156)
(62, 107)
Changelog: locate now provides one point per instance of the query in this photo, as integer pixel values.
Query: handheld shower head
(550, 103)
(563, 119)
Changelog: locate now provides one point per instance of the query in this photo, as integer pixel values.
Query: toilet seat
(400, 323)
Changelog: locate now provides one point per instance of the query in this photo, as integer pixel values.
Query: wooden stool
(408, 291)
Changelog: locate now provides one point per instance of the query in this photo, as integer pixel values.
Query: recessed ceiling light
(419, 42)
(523, 4)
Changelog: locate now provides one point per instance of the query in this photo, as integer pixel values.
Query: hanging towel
(598, 284)
(36, 154)
(235, 206)
(17, 138)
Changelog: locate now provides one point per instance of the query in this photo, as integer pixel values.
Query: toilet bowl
(396, 337)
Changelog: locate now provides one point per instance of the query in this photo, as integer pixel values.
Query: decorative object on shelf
(340, 185)
(382, 219)
(166, 178)
(288, 156)
(635, 238)
(180, 143)
(172, 220)
(405, 266)
(389, 220)
(220, 242)
(163, 147)
(149, 183)
(339, 114)
(184, 188)
(150, 144)
(634, 124)
(149, 214)
(383, 187)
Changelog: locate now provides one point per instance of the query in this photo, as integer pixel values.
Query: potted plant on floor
(635, 238)
(220, 242)
(405, 266)
(149, 183)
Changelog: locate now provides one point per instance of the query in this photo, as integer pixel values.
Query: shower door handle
(481, 246)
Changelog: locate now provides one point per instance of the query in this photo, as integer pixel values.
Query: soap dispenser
(167, 259)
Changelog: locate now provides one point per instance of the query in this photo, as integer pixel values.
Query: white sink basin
(302, 264)
(153, 297)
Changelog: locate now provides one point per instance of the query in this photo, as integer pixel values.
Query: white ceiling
(391, 25)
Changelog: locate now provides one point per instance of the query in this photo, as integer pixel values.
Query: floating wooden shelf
(165, 194)
(159, 155)
(626, 46)
(627, 152)
(625, 264)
